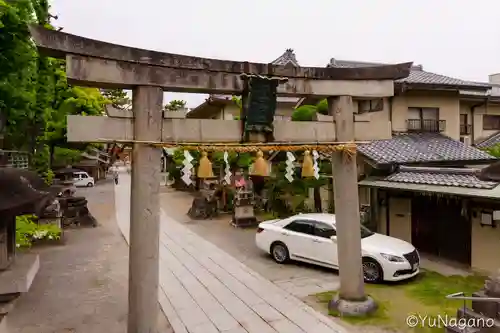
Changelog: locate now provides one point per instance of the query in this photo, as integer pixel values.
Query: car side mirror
(334, 239)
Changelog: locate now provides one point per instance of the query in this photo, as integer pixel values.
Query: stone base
(20, 275)
(352, 308)
(246, 222)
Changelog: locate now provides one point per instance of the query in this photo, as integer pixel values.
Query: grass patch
(421, 296)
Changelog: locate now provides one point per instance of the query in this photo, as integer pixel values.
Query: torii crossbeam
(150, 73)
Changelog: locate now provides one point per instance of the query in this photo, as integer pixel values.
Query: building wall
(485, 244)
(449, 110)
(485, 241)
(400, 218)
(479, 112)
(373, 125)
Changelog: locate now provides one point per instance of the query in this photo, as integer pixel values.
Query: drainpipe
(390, 111)
(472, 111)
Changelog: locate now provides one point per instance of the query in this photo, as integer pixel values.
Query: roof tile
(490, 141)
(287, 58)
(441, 179)
(420, 147)
(417, 75)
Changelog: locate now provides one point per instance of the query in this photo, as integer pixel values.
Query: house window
(491, 122)
(465, 128)
(463, 119)
(370, 105)
(425, 119)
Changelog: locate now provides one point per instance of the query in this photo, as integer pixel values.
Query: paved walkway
(205, 290)
(299, 279)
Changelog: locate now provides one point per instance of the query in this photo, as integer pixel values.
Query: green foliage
(18, 63)
(49, 177)
(118, 98)
(237, 101)
(322, 107)
(304, 113)
(307, 112)
(287, 198)
(27, 231)
(66, 156)
(494, 151)
(175, 105)
(35, 97)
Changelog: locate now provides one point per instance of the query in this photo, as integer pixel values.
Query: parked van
(81, 178)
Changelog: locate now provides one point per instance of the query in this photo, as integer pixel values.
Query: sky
(458, 38)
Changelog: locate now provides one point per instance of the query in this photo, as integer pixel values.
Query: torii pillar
(143, 307)
(351, 300)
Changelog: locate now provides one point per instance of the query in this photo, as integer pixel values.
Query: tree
(494, 150)
(239, 103)
(118, 98)
(175, 105)
(307, 112)
(322, 107)
(35, 97)
(304, 113)
(17, 70)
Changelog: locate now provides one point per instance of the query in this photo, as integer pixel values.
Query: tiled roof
(287, 58)
(490, 141)
(417, 75)
(441, 177)
(420, 147)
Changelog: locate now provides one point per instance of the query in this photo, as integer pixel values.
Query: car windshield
(365, 232)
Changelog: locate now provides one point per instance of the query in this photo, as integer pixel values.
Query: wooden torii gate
(149, 73)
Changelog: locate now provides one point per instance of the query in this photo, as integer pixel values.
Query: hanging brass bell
(205, 167)
(260, 166)
(307, 165)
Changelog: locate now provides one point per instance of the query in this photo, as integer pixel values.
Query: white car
(81, 178)
(312, 238)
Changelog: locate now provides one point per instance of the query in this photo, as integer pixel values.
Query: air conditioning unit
(466, 140)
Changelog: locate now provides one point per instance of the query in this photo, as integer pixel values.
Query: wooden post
(347, 204)
(145, 213)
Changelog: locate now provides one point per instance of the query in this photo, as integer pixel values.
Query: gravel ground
(81, 286)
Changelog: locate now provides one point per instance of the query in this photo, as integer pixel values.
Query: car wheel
(90, 185)
(280, 253)
(372, 271)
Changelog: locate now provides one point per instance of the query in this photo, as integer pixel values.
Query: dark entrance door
(423, 229)
(438, 228)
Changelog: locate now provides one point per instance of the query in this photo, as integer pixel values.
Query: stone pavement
(205, 290)
(299, 279)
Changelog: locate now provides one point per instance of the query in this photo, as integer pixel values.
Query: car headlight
(392, 258)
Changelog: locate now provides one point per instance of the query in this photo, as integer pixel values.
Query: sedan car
(312, 238)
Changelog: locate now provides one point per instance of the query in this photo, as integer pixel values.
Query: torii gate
(149, 73)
